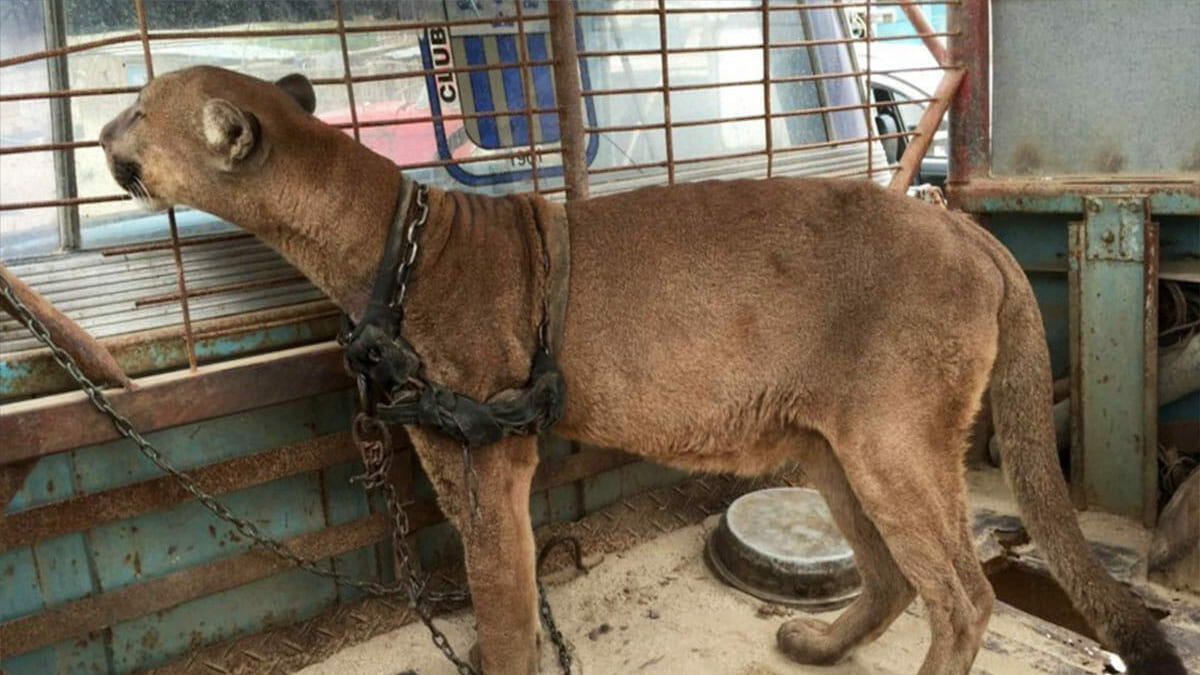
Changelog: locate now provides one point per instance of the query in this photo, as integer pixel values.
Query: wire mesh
(460, 95)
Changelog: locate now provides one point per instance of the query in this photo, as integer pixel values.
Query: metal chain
(377, 458)
(411, 233)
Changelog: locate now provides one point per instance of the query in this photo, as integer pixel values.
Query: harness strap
(389, 369)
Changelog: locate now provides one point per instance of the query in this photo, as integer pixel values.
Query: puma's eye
(137, 115)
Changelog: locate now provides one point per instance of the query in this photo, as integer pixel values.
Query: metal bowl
(781, 545)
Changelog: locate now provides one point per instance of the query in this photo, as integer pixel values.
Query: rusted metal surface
(12, 477)
(58, 423)
(96, 362)
(162, 349)
(1167, 194)
(910, 161)
(87, 511)
(570, 113)
(970, 110)
(162, 593)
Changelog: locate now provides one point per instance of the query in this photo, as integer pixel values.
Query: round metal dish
(781, 545)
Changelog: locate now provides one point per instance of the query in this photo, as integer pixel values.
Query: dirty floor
(656, 609)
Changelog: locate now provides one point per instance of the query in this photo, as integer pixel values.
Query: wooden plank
(85, 512)
(53, 424)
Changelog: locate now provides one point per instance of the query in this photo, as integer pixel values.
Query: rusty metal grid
(562, 19)
(614, 528)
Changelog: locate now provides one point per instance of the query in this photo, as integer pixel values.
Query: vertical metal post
(527, 88)
(61, 128)
(970, 111)
(189, 339)
(570, 103)
(1114, 357)
(766, 49)
(666, 94)
(341, 31)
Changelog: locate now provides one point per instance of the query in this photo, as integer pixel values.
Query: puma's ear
(231, 132)
(300, 89)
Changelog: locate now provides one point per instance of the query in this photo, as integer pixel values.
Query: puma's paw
(548, 654)
(806, 640)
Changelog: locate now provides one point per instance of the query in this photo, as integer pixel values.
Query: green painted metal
(1069, 198)
(1113, 257)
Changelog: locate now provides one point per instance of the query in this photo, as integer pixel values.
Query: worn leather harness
(392, 384)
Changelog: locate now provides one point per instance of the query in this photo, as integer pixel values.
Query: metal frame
(1113, 344)
(37, 428)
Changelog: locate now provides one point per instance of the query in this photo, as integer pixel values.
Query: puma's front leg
(498, 543)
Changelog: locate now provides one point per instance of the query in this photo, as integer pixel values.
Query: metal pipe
(528, 94)
(930, 119)
(666, 96)
(917, 18)
(570, 102)
(970, 124)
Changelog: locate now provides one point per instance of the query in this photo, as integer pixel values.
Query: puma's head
(194, 136)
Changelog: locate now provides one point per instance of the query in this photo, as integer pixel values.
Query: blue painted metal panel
(279, 600)
(1113, 448)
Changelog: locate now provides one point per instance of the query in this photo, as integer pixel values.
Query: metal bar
(69, 49)
(527, 92)
(1168, 195)
(220, 288)
(732, 10)
(181, 280)
(66, 93)
(868, 92)
(53, 424)
(970, 112)
(46, 147)
(378, 77)
(61, 129)
(917, 18)
(757, 82)
(766, 84)
(165, 244)
(47, 203)
(666, 94)
(910, 161)
(88, 511)
(594, 53)
(341, 33)
(1150, 277)
(567, 85)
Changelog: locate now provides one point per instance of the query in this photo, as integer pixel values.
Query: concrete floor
(667, 614)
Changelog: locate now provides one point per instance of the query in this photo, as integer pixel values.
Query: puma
(716, 326)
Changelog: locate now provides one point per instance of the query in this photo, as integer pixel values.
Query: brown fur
(714, 326)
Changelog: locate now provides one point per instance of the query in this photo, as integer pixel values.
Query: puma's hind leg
(885, 591)
(910, 483)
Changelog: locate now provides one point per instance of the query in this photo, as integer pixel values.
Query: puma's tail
(1021, 398)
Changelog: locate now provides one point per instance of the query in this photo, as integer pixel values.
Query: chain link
(374, 442)
(411, 234)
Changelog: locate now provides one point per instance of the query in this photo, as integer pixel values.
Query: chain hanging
(373, 439)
